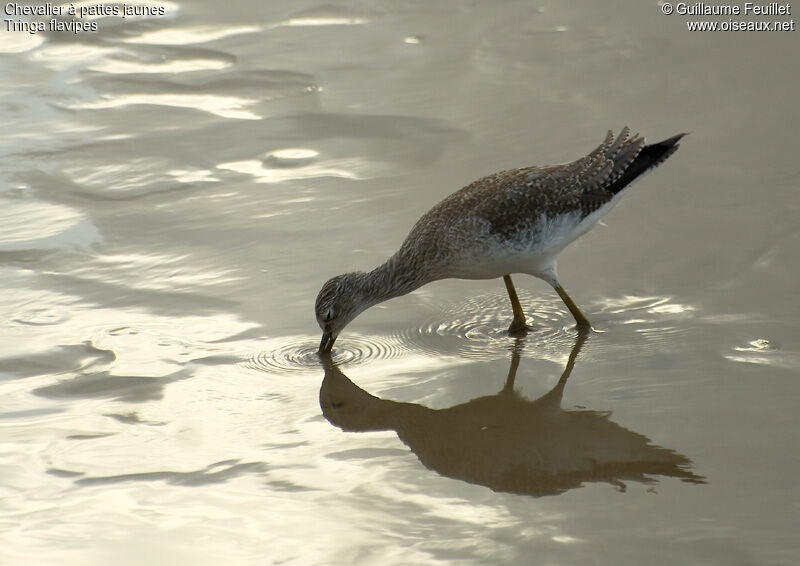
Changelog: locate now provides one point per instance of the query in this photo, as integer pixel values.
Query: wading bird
(515, 221)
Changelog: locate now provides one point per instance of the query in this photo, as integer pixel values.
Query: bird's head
(339, 301)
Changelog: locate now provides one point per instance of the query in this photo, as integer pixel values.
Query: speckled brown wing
(510, 204)
(511, 201)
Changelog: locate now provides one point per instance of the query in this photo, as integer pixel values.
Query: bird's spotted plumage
(514, 221)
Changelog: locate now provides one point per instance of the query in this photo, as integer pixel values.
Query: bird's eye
(328, 315)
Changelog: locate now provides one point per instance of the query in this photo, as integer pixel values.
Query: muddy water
(175, 190)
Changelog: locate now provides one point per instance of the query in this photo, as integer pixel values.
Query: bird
(514, 221)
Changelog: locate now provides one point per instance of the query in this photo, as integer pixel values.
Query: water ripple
(658, 320)
(235, 107)
(31, 225)
(762, 351)
(478, 328)
(295, 355)
(39, 316)
(191, 35)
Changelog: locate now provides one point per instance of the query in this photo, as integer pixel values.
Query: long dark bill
(327, 342)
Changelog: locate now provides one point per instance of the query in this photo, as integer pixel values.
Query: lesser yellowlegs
(515, 221)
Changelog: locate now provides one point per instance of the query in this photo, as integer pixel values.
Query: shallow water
(176, 189)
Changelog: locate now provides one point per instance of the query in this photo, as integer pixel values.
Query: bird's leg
(518, 325)
(580, 319)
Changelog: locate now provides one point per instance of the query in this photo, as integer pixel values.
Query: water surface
(175, 190)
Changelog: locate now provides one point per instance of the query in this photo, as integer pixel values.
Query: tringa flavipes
(515, 221)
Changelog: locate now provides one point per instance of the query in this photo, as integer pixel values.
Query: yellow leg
(581, 320)
(518, 325)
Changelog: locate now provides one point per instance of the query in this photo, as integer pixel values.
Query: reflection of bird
(516, 221)
(506, 442)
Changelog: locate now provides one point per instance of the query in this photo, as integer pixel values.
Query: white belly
(534, 252)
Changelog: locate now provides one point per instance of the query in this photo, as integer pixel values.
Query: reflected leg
(512, 370)
(555, 394)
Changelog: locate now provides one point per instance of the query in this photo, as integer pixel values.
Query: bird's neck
(389, 280)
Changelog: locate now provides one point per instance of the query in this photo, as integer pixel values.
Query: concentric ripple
(298, 354)
(478, 328)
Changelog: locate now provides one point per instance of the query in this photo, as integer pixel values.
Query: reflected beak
(327, 342)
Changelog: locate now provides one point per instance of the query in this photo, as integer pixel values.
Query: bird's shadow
(507, 442)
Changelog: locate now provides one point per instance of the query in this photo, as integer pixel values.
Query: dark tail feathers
(651, 156)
